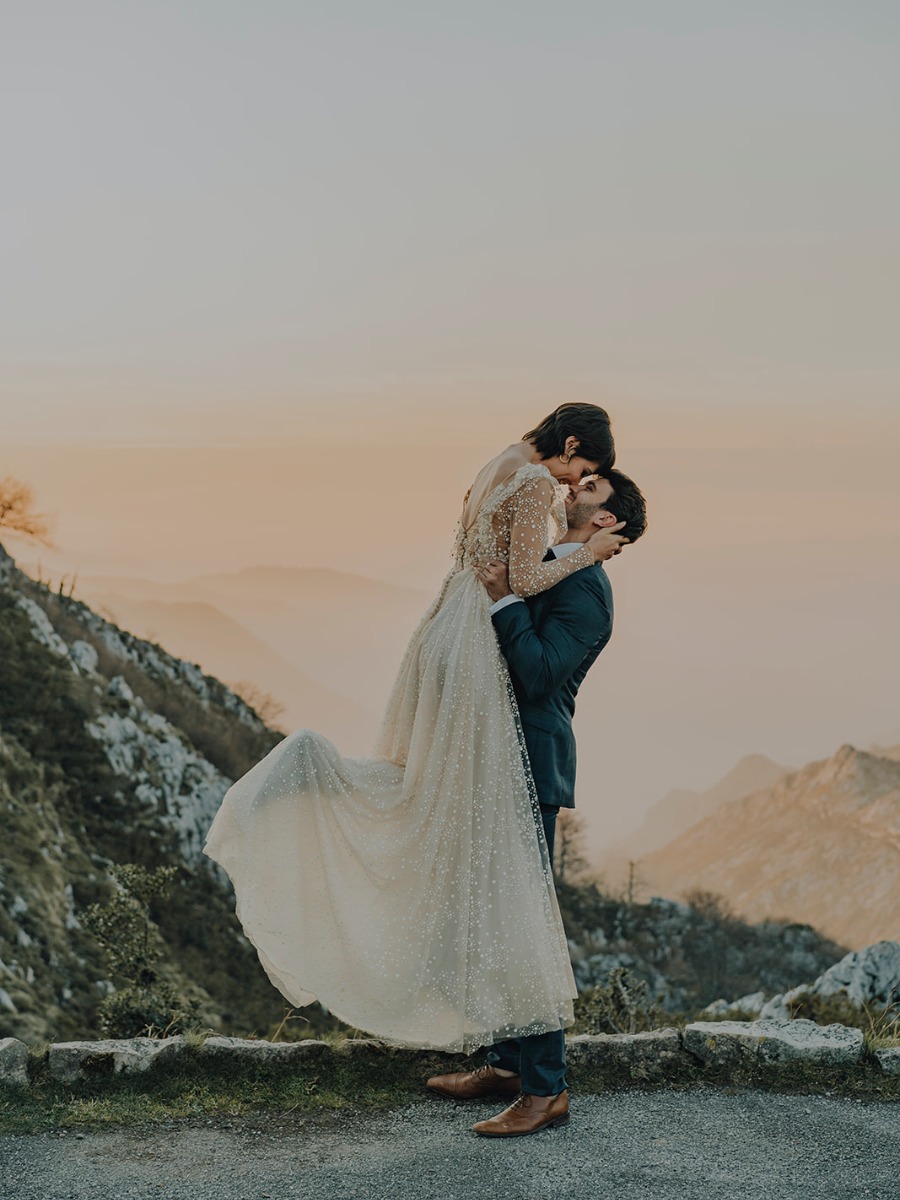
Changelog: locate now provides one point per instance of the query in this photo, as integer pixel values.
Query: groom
(550, 642)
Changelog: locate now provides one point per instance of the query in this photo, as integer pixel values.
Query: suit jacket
(549, 643)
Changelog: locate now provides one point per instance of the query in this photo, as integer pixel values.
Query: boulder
(869, 976)
(118, 688)
(744, 1004)
(84, 656)
(638, 1054)
(727, 1043)
(13, 1061)
(253, 1050)
(889, 1060)
(71, 1061)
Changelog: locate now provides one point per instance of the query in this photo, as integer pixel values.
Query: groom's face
(586, 500)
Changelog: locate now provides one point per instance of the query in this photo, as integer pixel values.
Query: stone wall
(714, 1049)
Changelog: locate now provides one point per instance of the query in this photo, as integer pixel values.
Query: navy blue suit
(550, 642)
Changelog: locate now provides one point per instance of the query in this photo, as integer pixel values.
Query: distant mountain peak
(854, 769)
(821, 846)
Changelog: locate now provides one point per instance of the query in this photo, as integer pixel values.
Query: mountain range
(819, 845)
(682, 808)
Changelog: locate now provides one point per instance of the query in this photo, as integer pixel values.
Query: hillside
(821, 846)
(111, 750)
(343, 630)
(200, 631)
(680, 809)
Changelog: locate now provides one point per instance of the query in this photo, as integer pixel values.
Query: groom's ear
(603, 518)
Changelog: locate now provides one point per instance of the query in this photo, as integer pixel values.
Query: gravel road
(692, 1145)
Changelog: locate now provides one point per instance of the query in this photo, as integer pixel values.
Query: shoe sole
(563, 1120)
(480, 1096)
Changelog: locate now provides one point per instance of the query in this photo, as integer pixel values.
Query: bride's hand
(606, 542)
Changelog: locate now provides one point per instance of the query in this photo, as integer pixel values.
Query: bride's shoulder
(511, 466)
(531, 480)
(510, 473)
(533, 477)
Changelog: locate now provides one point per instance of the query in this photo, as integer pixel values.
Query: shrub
(622, 1006)
(133, 947)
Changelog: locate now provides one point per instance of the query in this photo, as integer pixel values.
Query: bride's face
(573, 471)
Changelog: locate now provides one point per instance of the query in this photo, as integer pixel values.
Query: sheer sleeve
(528, 573)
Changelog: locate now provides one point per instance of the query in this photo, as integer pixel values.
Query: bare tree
(267, 708)
(17, 513)
(635, 884)
(571, 864)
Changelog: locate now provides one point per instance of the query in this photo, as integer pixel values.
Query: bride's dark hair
(587, 422)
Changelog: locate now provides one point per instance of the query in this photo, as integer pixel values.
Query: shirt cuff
(504, 603)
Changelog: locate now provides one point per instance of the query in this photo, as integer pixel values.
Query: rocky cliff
(111, 750)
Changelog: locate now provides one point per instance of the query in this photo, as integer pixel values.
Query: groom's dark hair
(587, 422)
(626, 504)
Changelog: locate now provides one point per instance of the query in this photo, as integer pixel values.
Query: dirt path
(692, 1145)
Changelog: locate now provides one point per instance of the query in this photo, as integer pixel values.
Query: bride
(410, 893)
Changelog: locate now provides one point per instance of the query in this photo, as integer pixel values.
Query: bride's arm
(528, 573)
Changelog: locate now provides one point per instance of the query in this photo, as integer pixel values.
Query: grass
(882, 1030)
(193, 1088)
(190, 1087)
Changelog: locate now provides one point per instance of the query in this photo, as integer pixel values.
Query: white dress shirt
(560, 551)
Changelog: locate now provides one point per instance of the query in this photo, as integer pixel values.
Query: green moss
(191, 1087)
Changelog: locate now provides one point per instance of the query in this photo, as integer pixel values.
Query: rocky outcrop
(686, 955)
(166, 774)
(869, 976)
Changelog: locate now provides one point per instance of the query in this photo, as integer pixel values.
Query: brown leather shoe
(472, 1085)
(527, 1114)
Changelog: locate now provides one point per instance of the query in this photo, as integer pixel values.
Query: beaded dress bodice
(517, 522)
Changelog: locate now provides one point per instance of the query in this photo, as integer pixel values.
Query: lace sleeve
(528, 573)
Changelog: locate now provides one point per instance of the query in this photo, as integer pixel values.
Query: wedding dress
(411, 893)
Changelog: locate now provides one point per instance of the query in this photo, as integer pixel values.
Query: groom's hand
(495, 577)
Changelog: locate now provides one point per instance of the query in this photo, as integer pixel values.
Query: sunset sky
(276, 279)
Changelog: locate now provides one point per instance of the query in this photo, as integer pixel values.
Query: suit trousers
(540, 1060)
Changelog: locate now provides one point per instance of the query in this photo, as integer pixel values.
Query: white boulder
(42, 628)
(71, 1061)
(889, 1060)
(752, 1003)
(864, 976)
(13, 1061)
(84, 656)
(119, 688)
(723, 1043)
(259, 1051)
(636, 1053)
